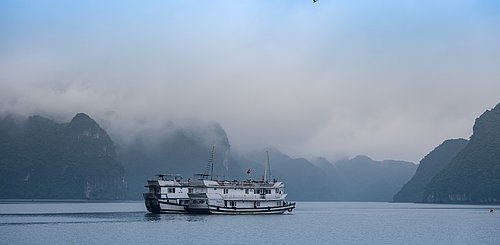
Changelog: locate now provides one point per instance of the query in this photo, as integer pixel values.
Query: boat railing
(246, 183)
(252, 196)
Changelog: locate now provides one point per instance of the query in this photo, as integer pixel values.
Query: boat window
(246, 191)
(256, 191)
(190, 190)
(226, 191)
(232, 203)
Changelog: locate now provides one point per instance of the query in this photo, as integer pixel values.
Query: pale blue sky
(390, 79)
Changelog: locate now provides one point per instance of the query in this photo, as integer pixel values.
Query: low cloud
(335, 78)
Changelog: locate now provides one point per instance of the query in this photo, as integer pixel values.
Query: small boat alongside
(170, 194)
(167, 194)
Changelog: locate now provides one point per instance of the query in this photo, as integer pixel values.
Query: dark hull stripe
(263, 210)
(154, 207)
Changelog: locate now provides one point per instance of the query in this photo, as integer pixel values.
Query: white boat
(167, 194)
(238, 197)
(209, 196)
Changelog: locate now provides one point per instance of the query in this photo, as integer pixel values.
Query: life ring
(290, 209)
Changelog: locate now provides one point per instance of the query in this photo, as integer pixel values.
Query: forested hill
(429, 166)
(473, 176)
(44, 159)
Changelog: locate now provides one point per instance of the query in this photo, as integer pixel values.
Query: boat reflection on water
(154, 217)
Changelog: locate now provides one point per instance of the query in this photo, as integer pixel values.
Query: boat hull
(157, 206)
(258, 210)
(171, 208)
(152, 206)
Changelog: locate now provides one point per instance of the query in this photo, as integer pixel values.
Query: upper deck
(248, 184)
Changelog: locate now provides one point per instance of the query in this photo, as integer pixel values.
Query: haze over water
(309, 223)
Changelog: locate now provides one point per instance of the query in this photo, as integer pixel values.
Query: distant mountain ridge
(356, 179)
(303, 180)
(43, 159)
(364, 179)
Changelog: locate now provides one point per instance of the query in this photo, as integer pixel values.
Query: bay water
(309, 223)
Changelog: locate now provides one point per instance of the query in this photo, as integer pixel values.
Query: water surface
(309, 223)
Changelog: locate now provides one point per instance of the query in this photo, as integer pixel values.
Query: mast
(209, 170)
(210, 166)
(267, 170)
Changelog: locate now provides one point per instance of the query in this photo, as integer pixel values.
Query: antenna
(267, 170)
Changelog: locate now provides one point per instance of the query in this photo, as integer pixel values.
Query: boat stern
(152, 204)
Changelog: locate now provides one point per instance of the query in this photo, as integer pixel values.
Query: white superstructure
(238, 197)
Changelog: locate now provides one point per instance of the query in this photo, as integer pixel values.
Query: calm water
(310, 223)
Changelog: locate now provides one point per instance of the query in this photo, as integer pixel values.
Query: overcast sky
(390, 79)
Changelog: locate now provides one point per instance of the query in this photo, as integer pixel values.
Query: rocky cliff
(40, 158)
(473, 176)
(429, 166)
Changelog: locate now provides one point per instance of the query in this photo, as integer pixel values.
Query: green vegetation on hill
(42, 159)
(429, 166)
(473, 176)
